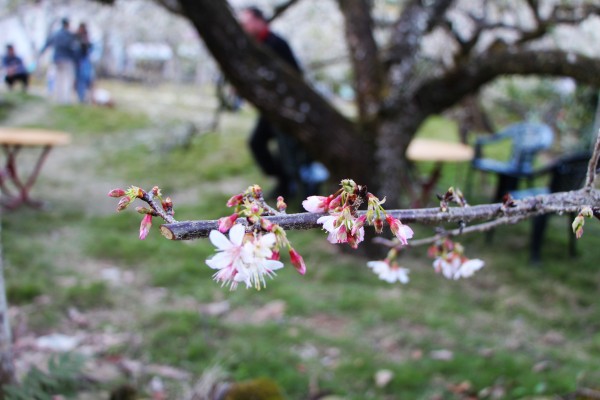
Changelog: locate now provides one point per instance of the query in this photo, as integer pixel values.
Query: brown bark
(441, 93)
(364, 55)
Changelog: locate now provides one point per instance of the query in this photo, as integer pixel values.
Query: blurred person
(284, 166)
(14, 69)
(65, 46)
(84, 74)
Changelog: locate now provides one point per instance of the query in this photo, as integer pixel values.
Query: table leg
(10, 171)
(429, 185)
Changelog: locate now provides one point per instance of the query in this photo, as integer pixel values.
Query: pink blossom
(225, 223)
(297, 261)
(401, 231)
(145, 226)
(316, 204)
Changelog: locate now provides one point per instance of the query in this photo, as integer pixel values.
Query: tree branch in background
(593, 165)
(281, 8)
(364, 55)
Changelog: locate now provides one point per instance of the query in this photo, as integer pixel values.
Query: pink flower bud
(297, 261)
(378, 223)
(145, 226)
(316, 204)
(123, 203)
(225, 223)
(255, 209)
(156, 191)
(235, 200)
(266, 225)
(275, 256)
(358, 223)
(116, 193)
(335, 202)
(281, 206)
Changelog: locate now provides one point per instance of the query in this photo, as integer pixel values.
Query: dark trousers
(21, 77)
(263, 133)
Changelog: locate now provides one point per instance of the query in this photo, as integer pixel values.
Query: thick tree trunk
(281, 94)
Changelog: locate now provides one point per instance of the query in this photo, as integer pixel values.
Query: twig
(483, 227)
(591, 173)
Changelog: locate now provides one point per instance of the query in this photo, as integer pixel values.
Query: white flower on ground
(389, 273)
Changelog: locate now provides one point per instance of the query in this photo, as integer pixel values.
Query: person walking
(84, 74)
(65, 46)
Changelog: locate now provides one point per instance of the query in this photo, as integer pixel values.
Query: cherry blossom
(389, 272)
(401, 231)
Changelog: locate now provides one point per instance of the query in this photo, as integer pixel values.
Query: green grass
(533, 331)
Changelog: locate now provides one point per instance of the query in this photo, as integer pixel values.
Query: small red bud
(145, 226)
(267, 225)
(281, 206)
(235, 200)
(378, 223)
(225, 223)
(297, 261)
(116, 193)
(123, 203)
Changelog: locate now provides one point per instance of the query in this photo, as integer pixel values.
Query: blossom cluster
(342, 221)
(450, 261)
(253, 253)
(344, 224)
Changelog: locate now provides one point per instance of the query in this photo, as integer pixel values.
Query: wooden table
(439, 152)
(15, 190)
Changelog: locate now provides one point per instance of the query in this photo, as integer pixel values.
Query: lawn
(79, 269)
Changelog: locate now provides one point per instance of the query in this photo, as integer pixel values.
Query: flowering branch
(257, 232)
(529, 207)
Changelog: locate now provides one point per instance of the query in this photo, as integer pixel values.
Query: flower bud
(266, 225)
(281, 206)
(116, 193)
(225, 223)
(124, 203)
(145, 226)
(297, 261)
(378, 223)
(235, 200)
(577, 226)
(156, 191)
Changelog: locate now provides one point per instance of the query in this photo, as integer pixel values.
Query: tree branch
(545, 204)
(440, 93)
(593, 165)
(281, 8)
(364, 54)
